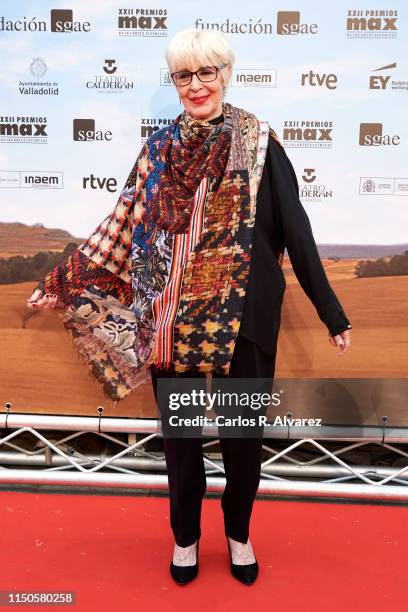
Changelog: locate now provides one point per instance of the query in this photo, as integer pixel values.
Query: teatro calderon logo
(61, 20)
(311, 189)
(84, 130)
(382, 79)
(142, 22)
(28, 129)
(110, 81)
(316, 134)
(289, 23)
(372, 23)
(372, 135)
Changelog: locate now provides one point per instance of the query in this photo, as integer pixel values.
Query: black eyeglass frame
(217, 68)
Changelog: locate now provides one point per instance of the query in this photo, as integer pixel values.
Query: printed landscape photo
(38, 362)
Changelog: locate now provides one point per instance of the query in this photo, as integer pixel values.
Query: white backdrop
(339, 66)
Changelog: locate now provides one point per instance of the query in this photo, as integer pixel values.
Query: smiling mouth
(199, 100)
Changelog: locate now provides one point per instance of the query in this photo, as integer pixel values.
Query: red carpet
(114, 552)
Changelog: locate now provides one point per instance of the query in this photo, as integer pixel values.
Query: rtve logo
(313, 78)
(288, 23)
(95, 182)
(84, 130)
(371, 134)
(379, 81)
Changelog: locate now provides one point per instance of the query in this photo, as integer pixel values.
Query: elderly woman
(184, 278)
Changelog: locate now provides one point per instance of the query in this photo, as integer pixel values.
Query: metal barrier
(334, 462)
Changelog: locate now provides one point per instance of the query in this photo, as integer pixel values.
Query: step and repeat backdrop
(85, 83)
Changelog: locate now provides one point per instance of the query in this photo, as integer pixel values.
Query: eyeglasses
(204, 74)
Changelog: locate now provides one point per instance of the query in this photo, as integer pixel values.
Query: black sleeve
(299, 241)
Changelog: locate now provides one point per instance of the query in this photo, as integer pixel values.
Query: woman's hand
(342, 340)
(49, 300)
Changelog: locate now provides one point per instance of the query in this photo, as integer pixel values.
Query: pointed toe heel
(185, 574)
(247, 574)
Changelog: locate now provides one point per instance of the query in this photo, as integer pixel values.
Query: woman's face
(202, 100)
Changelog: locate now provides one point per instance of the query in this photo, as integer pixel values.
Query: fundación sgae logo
(142, 21)
(61, 20)
(289, 23)
(228, 26)
(371, 135)
(84, 131)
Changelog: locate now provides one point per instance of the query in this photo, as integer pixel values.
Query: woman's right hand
(48, 300)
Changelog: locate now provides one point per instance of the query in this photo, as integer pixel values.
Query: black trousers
(241, 457)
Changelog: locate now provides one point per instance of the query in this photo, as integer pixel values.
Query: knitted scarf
(163, 278)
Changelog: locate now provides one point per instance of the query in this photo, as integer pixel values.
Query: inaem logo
(379, 81)
(288, 23)
(84, 130)
(309, 175)
(22, 179)
(371, 134)
(110, 68)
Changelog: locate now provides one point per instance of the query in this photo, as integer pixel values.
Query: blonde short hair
(201, 47)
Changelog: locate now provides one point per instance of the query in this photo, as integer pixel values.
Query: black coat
(281, 221)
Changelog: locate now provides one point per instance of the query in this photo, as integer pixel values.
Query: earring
(180, 99)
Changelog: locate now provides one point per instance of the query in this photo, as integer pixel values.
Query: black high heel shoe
(183, 574)
(247, 574)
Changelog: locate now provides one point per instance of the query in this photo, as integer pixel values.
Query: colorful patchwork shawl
(163, 278)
